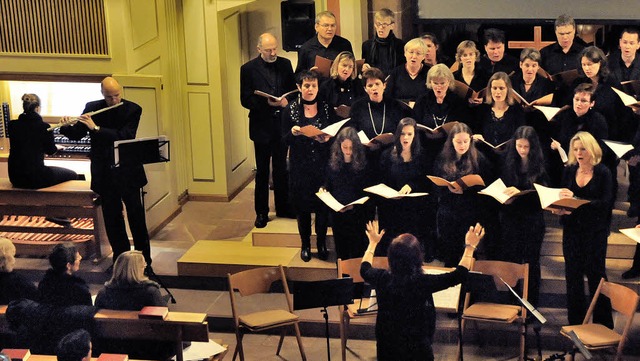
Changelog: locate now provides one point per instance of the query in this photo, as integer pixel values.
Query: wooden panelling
(195, 43)
(201, 140)
(144, 21)
(53, 27)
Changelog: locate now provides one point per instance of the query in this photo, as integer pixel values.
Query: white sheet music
(446, 300)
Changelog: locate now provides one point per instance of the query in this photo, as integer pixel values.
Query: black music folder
(141, 151)
(332, 292)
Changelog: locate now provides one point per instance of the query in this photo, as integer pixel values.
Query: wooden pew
(23, 212)
(125, 325)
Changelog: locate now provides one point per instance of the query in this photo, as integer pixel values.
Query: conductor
(114, 185)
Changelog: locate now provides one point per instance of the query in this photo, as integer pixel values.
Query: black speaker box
(298, 19)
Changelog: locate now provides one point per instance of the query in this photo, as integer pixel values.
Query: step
(619, 246)
(283, 232)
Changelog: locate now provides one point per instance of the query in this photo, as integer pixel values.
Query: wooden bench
(125, 325)
(24, 211)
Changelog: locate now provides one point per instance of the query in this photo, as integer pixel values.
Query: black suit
(264, 127)
(116, 185)
(620, 72)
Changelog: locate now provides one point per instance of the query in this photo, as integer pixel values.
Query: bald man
(273, 75)
(114, 185)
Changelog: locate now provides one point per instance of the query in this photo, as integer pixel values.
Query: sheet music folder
(332, 292)
(141, 151)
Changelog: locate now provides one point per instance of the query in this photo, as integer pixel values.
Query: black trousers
(274, 152)
(584, 255)
(112, 199)
(51, 176)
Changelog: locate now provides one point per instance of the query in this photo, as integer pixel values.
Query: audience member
(405, 323)
(496, 59)
(271, 74)
(59, 286)
(384, 51)
(12, 285)
(325, 44)
(75, 346)
(129, 288)
(562, 55)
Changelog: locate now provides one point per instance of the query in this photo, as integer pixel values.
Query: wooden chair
(259, 281)
(596, 336)
(351, 268)
(513, 313)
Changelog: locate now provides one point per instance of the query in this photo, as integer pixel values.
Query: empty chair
(499, 311)
(596, 336)
(259, 281)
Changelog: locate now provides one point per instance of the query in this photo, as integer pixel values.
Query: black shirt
(555, 61)
(312, 47)
(507, 64)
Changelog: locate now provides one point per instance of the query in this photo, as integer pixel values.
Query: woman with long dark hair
(457, 208)
(406, 314)
(404, 168)
(347, 176)
(523, 165)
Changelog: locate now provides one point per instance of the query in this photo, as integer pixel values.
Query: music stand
(332, 292)
(134, 152)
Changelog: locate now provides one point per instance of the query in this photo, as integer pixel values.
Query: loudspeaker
(298, 20)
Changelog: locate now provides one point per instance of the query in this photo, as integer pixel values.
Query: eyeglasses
(382, 25)
(326, 26)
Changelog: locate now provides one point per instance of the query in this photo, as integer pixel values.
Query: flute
(75, 120)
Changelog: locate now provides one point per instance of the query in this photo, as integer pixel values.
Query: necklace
(585, 171)
(373, 124)
(441, 119)
(413, 75)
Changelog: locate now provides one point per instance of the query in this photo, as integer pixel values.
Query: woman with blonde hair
(12, 285)
(343, 87)
(129, 288)
(586, 228)
(407, 81)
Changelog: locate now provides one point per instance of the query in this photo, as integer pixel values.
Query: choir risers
(283, 232)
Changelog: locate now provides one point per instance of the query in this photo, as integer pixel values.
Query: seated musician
(406, 315)
(30, 140)
(75, 346)
(12, 285)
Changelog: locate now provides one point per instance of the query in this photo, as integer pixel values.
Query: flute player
(114, 184)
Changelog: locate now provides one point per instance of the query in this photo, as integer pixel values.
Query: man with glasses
(326, 43)
(384, 51)
(564, 54)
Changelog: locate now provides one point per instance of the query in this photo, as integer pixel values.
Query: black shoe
(261, 221)
(633, 272)
(323, 253)
(305, 254)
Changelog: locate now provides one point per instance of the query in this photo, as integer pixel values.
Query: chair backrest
(623, 299)
(256, 280)
(351, 267)
(510, 272)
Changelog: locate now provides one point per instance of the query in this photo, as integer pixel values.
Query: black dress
(30, 141)
(479, 81)
(522, 228)
(337, 92)
(457, 212)
(62, 289)
(407, 214)
(346, 185)
(402, 87)
(307, 164)
(406, 316)
(496, 130)
(584, 243)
